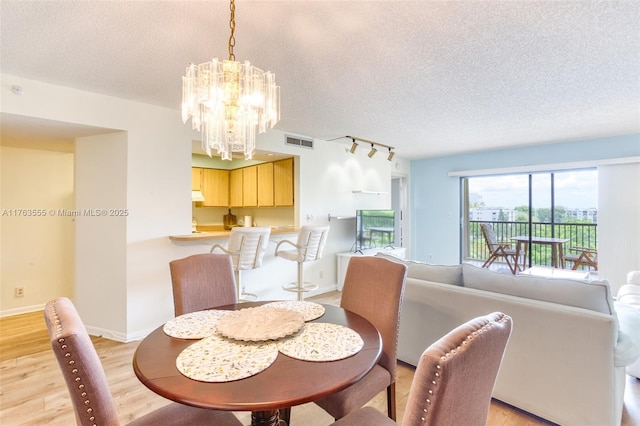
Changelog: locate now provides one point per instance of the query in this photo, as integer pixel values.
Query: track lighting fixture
(373, 150)
(354, 146)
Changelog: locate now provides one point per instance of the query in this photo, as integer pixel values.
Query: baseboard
(21, 310)
(117, 336)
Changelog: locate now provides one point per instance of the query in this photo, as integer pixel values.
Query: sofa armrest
(627, 349)
(633, 277)
(630, 294)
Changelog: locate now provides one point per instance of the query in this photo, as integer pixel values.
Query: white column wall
(100, 233)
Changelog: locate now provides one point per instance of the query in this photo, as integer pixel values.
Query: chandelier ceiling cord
(228, 101)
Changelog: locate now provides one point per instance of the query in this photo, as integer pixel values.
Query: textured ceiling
(429, 77)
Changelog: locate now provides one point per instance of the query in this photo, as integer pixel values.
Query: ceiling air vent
(304, 143)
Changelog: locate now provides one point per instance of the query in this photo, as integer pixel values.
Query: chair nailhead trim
(455, 350)
(71, 363)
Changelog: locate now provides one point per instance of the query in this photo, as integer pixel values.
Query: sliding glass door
(546, 213)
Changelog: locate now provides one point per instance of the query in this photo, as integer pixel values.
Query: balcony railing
(579, 235)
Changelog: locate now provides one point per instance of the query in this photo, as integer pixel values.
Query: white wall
(101, 234)
(618, 231)
(123, 287)
(37, 251)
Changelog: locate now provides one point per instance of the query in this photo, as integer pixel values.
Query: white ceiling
(428, 77)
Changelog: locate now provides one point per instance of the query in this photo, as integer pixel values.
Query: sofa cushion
(592, 295)
(446, 274)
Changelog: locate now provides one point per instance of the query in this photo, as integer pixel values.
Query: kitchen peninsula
(219, 234)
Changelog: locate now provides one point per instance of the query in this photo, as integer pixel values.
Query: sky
(574, 189)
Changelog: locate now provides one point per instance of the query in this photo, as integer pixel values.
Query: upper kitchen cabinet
(250, 186)
(265, 184)
(283, 182)
(215, 188)
(235, 188)
(196, 178)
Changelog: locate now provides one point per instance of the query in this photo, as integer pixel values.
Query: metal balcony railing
(579, 234)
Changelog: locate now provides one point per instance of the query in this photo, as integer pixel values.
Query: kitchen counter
(218, 234)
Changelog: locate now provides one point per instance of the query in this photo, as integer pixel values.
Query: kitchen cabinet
(215, 188)
(196, 178)
(250, 186)
(235, 188)
(265, 184)
(283, 182)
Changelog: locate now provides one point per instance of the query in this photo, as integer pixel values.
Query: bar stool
(246, 246)
(309, 246)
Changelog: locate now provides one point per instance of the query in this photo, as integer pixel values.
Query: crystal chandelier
(228, 101)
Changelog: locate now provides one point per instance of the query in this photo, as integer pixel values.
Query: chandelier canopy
(228, 101)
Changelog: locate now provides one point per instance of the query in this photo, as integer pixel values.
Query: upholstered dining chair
(247, 246)
(307, 248)
(454, 379)
(87, 383)
(202, 281)
(373, 289)
(498, 249)
(581, 256)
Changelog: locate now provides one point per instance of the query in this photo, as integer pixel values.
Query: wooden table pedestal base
(265, 418)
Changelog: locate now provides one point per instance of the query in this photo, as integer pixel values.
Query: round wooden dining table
(286, 383)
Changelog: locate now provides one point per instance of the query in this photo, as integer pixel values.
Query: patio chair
(499, 249)
(454, 379)
(581, 256)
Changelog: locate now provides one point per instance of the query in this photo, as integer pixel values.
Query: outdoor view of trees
(543, 214)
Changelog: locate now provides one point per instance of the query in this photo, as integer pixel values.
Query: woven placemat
(259, 324)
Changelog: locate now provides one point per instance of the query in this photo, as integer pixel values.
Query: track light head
(354, 146)
(372, 152)
(391, 154)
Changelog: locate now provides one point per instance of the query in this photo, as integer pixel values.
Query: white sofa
(567, 354)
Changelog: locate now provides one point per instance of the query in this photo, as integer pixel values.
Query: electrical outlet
(19, 291)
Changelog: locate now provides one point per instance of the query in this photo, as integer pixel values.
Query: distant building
(491, 214)
(590, 214)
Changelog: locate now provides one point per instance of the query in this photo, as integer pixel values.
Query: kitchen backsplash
(262, 216)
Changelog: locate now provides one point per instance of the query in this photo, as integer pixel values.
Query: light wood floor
(32, 390)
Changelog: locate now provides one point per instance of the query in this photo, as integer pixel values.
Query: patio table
(555, 243)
